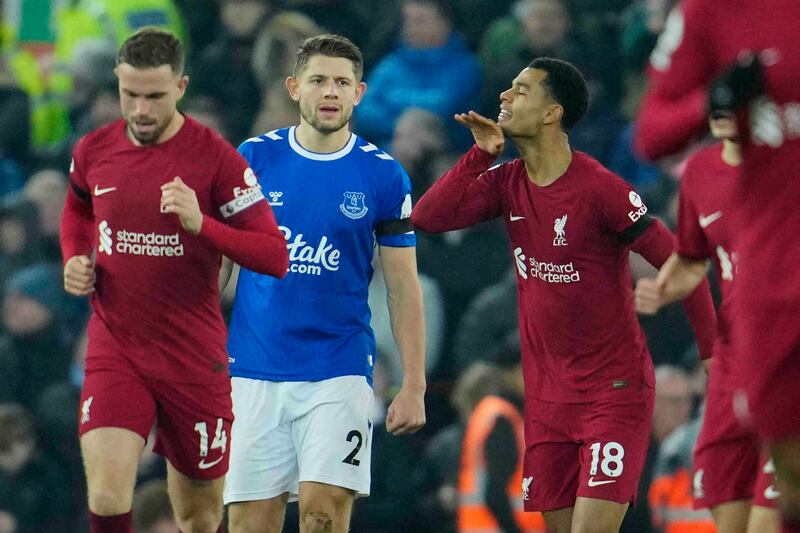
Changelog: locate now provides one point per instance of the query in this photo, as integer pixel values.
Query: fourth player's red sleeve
(462, 197)
(257, 245)
(656, 244)
(77, 225)
(681, 66)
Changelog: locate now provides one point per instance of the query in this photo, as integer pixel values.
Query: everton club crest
(353, 205)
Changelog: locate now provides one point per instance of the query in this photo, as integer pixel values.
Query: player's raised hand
(406, 413)
(79, 275)
(179, 198)
(649, 296)
(487, 133)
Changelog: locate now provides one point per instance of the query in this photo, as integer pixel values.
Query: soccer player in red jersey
(727, 457)
(571, 224)
(159, 198)
(692, 64)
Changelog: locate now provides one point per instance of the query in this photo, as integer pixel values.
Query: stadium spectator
(431, 69)
(34, 493)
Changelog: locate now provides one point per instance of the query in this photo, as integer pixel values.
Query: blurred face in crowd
(243, 17)
(417, 134)
(16, 455)
(23, 315)
(423, 25)
(527, 106)
(327, 91)
(48, 190)
(545, 22)
(723, 126)
(12, 236)
(149, 98)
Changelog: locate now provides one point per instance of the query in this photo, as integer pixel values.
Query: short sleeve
(237, 192)
(393, 224)
(624, 211)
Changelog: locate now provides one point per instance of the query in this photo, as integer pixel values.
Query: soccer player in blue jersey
(301, 351)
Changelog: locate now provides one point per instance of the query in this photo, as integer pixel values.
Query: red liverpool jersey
(580, 336)
(156, 299)
(704, 232)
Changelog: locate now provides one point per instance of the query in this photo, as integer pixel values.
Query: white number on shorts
(351, 457)
(611, 465)
(220, 437)
(725, 263)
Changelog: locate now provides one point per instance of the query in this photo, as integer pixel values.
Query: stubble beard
(310, 116)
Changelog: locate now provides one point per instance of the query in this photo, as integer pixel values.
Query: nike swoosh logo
(593, 483)
(100, 192)
(205, 466)
(707, 221)
(513, 218)
(771, 493)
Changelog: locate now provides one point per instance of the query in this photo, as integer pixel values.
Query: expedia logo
(135, 243)
(641, 209)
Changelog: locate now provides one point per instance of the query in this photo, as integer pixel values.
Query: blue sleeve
(393, 225)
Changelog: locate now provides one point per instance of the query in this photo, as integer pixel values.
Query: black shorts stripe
(80, 193)
(393, 227)
(632, 232)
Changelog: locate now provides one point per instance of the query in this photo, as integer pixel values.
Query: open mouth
(328, 111)
(504, 115)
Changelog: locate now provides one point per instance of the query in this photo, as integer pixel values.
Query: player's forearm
(408, 326)
(664, 126)
(448, 204)
(685, 278)
(260, 247)
(699, 307)
(77, 228)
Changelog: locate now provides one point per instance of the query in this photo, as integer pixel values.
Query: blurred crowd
(424, 61)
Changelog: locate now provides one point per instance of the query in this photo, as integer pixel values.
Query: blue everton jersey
(332, 208)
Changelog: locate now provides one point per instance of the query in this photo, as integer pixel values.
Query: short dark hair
(151, 48)
(330, 45)
(567, 86)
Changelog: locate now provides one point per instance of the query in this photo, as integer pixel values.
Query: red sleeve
(692, 242)
(77, 219)
(464, 196)
(681, 67)
(656, 245)
(257, 244)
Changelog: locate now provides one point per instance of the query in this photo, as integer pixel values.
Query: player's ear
(183, 82)
(361, 90)
(554, 114)
(292, 85)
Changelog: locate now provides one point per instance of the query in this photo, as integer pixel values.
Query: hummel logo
(513, 218)
(100, 192)
(710, 219)
(203, 465)
(593, 483)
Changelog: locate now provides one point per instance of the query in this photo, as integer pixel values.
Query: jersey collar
(317, 156)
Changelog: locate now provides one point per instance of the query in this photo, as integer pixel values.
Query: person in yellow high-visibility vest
(491, 487)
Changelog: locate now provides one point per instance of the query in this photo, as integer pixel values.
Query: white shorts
(288, 432)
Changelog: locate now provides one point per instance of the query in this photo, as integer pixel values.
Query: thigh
(332, 429)
(726, 456)
(193, 426)
(614, 436)
(328, 499)
(263, 463)
(110, 458)
(552, 459)
(597, 515)
(191, 497)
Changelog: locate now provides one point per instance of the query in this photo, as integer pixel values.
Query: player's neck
(324, 143)
(731, 153)
(546, 157)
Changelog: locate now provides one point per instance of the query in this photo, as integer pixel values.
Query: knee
(316, 521)
(108, 502)
(203, 521)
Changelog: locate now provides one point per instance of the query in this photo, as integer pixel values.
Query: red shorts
(593, 450)
(766, 493)
(193, 421)
(726, 456)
